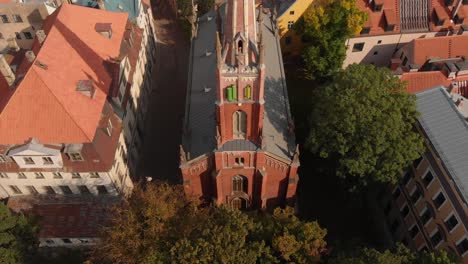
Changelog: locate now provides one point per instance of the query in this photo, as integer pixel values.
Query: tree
(326, 24)
(184, 8)
(291, 239)
(401, 255)
(162, 225)
(18, 240)
(364, 119)
(204, 6)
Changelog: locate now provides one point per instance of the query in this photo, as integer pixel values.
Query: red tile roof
(46, 105)
(420, 81)
(66, 217)
(411, 16)
(420, 50)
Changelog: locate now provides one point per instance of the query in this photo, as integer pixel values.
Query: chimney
(101, 5)
(6, 71)
(30, 56)
(12, 45)
(41, 36)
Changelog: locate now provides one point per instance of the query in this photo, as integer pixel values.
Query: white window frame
(435, 195)
(409, 231)
(72, 158)
(452, 213)
(458, 242)
(420, 196)
(51, 162)
(436, 229)
(422, 212)
(434, 176)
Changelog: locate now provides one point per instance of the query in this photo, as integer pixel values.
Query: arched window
(239, 123)
(239, 184)
(239, 203)
(240, 46)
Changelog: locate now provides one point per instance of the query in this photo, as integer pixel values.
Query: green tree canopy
(204, 6)
(18, 241)
(161, 225)
(326, 24)
(365, 120)
(401, 255)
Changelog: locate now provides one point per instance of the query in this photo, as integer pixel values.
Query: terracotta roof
(437, 47)
(421, 81)
(66, 216)
(376, 20)
(411, 16)
(46, 105)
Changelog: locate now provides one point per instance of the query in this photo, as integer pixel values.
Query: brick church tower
(238, 144)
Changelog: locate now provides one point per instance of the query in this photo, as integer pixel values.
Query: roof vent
(30, 56)
(86, 87)
(104, 29)
(120, 7)
(38, 63)
(41, 36)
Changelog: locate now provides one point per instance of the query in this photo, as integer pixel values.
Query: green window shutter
(234, 92)
(229, 94)
(247, 92)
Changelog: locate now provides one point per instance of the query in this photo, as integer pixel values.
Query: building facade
(393, 23)
(238, 144)
(428, 209)
(19, 23)
(289, 11)
(74, 112)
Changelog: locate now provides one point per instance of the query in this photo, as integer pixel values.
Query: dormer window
(75, 156)
(440, 16)
(86, 87)
(105, 29)
(28, 161)
(365, 30)
(47, 160)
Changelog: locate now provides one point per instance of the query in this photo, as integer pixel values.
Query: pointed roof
(45, 105)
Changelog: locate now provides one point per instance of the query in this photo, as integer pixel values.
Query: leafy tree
(364, 119)
(204, 6)
(184, 7)
(161, 225)
(401, 255)
(326, 24)
(292, 240)
(18, 241)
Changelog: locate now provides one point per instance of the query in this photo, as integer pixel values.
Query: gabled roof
(45, 105)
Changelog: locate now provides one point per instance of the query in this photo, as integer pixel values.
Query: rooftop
(200, 127)
(447, 130)
(412, 16)
(126, 6)
(45, 104)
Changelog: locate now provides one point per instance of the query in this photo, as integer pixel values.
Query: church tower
(240, 74)
(238, 146)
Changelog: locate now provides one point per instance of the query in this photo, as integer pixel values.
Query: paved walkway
(159, 157)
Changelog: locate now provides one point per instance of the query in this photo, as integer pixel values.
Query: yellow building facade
(289, 12)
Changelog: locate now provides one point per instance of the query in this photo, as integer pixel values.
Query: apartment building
(394, 23)
(140, 14)
(428, 209)
(19, 23)
(65, 111)
(289, 11)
